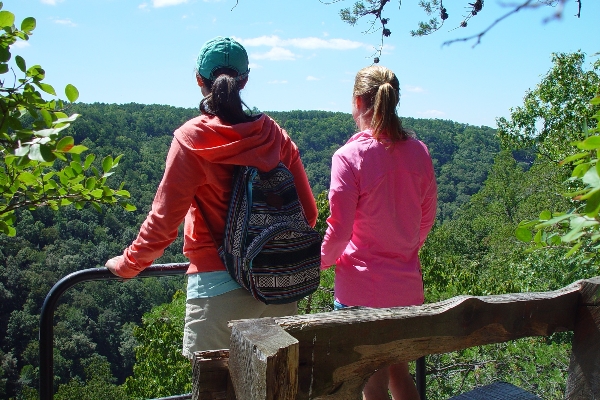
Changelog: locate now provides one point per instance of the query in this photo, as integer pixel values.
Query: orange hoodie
(200, 164)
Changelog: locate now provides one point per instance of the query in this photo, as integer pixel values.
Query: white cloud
(275, 54)
(65, 21)
(277, 82)
(312, 78)
(413, 89)
(20, 44)
(143, 6)
(167, 3)
(432, 114)
(310, 43)
(51, 2)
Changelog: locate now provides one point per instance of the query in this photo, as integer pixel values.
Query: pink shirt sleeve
(428, 209)
(171, 203)
(343, 199)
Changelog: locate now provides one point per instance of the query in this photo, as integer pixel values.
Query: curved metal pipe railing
(47, 315)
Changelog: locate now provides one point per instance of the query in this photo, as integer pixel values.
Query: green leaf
(591, 143)
(28, 24)
(595, 101)
(128, 206)
(97, 193)
(523, 234)
(573, 250)
(88, 161)
(107, 163)
(36, 72)
(40, 152)
(22, 151)
(72, 93)
(554, 220)
(77, 149)
(574, 157)
(65, 118)
(591, 178)
(65, 144)
(3, 68)
(7, 19)
(21, 63)
(90, 183)
(122, 193)
(47, 117)
(545, 215)
(580, 170)
(593, 205)
(582, 222)
(28, 178)
(46, 88)
(572, 235)
(76, 167)
(538, 237)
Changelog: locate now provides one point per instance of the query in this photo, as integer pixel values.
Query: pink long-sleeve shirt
(383, 200)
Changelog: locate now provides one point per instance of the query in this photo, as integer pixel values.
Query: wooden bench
(331, 355)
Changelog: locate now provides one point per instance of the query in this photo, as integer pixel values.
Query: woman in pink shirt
(383, 200)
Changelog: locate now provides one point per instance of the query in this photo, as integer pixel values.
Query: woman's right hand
(112, 264)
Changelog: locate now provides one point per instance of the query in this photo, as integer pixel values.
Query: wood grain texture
(263, 361)
(583, 381)
(331, 355)
(340, 350)
(211, 376)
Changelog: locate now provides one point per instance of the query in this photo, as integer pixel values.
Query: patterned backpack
(268, 246)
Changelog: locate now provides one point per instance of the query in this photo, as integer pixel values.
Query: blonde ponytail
(379, 88)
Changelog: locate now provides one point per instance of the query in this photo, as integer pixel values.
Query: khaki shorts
(206, 319)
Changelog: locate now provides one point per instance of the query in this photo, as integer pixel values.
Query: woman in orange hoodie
(199, 172)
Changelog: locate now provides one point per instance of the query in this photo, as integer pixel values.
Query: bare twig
(478, 36)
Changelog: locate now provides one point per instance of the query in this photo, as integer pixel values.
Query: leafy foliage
(39, 166)
(553, 114)
(160, 369)
(579, 229)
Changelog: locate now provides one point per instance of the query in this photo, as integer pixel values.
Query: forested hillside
(95, 323)
(121, 340)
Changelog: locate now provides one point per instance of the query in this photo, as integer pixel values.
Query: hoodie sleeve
(171, 203)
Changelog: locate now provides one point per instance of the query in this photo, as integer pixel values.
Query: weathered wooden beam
(340, 350)
(583, 381)
(263, 361)
(211, 376)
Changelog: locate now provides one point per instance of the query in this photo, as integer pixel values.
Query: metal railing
(98, 274)
(51, 301)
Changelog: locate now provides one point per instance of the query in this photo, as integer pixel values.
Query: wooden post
(583, 381)
(211, 376)
(263, 361)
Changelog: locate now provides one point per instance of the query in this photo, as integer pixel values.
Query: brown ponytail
(224, 99)
(379, 88)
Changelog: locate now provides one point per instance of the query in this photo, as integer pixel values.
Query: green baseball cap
(222, 52)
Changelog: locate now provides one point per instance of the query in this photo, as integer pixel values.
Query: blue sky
(302, 55)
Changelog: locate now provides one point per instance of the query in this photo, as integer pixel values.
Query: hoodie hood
(256, 143)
